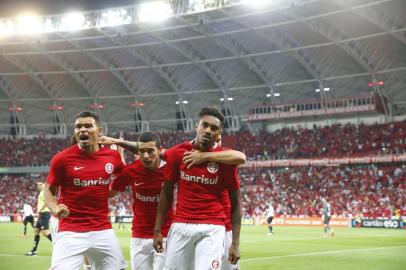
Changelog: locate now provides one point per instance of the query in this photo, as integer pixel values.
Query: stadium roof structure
(230, 55)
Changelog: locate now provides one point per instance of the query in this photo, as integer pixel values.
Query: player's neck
(200, 146)
(91, 148)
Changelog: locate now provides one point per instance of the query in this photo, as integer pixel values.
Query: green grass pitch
(298, 248)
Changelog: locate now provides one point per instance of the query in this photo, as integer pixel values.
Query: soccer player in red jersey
(145, 176)
(196, 237)
(82, 173)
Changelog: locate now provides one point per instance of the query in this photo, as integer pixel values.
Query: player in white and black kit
(28, 217)
(271, 214)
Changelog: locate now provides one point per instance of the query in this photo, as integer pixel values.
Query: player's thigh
(105, 252)
(210, 247)
(68, 251)
(141, 251)
(180, 247)
(43, 222)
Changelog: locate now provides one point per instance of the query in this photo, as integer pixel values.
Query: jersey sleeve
(122, 180)
(119, 163)
(231, 178)
(171, 171)
(56, 171)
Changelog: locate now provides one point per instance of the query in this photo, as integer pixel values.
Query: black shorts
(326, 220)
(43, 221)
(28, 219)
(269, 220)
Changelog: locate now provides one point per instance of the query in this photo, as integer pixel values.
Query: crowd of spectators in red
(366, 190)
(328, 141)
(352, 190)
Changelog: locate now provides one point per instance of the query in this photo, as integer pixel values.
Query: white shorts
(194, 246)
(144, 256)
(101, 248)
(53, 226)
(227, 243)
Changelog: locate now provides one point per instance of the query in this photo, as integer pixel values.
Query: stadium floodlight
(185, 101)
(155, 11)
(268, 95)
(115, 17)
(29, 24)
(326, 89)
(230, 99)
(256, 3)
(72, 21)
(49, 25)
(277, 94)
(317, 90)
(7, 28)
(177, 102)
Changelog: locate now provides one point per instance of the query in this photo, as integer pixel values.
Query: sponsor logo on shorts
(212, 167)
(215, 264)
(109, 168)
(198, 179)
(90, 182)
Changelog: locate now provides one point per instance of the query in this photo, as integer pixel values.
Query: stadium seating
(328, 141)
(366, 190)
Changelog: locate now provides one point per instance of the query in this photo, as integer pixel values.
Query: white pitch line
(318, 253)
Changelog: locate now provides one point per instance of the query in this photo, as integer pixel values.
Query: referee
(43, 220)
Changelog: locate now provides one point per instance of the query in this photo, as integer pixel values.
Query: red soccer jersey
(146, 186)
(199, 188)
(83, 181)
(227, 209)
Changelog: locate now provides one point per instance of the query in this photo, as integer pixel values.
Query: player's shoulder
(133, 167)
(60, 156)
(179, 148)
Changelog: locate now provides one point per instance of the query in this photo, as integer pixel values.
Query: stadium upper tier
(329, 141)
(208, 52)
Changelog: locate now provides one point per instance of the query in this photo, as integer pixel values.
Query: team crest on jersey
(215, 264)
(212, 167)
(109, 168)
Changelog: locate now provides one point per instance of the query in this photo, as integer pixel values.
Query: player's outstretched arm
(230, 157)
(165, 202)
(236, 215)
(60, 210)
(130, 146)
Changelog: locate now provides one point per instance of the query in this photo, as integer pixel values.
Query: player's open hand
(158, 242)
(105, 140)
(234, 253)
(194, 157)
(62, 211)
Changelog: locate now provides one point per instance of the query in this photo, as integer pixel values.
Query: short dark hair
(212, 112)
(89, 114)
(149, 136)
